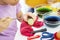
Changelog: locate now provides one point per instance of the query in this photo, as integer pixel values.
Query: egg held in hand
(30, 21)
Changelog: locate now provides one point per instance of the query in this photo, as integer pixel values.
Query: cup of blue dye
(52, 21)
(47, 36)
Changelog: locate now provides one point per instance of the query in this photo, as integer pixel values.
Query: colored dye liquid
(52, 19)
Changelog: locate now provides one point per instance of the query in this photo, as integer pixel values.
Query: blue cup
(47, 35)
(52, 21)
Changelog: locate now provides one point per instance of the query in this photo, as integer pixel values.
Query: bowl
(52, 21)
(43, 10)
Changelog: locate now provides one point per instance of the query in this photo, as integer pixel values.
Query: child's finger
(25, 17)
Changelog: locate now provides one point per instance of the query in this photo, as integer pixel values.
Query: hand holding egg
(29, 16)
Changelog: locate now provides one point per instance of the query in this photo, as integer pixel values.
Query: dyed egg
(30, 21)
(58, 35)
(34, 3)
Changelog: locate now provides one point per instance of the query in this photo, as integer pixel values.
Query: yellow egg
(30, 21)
(34, 3)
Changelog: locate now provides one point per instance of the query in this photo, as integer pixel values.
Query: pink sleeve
(18, 7)
(26, 29)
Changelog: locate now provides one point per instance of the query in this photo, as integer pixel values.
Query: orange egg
(58, 35)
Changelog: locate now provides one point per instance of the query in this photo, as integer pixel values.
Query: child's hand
(4, 23)
(25, 17)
